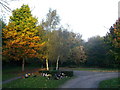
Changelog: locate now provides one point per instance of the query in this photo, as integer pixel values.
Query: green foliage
(68, 73)
(96, 52)
(111, 83)
(112, 39)
(55, 45)
(52, 20)
(104, 52)
(66, 45)
(78, 55)
(2, 24)
(53, 72)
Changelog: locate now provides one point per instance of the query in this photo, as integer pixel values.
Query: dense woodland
(27, 42)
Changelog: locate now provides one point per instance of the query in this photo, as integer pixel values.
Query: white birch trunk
(47, 64)
(57, 62)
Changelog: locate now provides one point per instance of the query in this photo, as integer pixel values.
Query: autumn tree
(21, 36)
(112, 39)
(2, 25)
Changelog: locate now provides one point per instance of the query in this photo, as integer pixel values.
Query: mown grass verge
(12, 72)
(111, 83)
(94, 69)
(35, 82)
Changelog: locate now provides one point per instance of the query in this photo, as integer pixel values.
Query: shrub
(68, 73)
(53, 72)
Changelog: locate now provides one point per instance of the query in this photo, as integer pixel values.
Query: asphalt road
(88, 79)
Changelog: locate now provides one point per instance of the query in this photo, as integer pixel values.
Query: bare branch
(5, 2)
(5, 7)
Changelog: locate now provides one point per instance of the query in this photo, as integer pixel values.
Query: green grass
(35, 82)
(11, 72)
(8, 76)
(111, 83)
(96, 69)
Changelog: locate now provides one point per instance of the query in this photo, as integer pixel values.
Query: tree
(78, 55)
(56, 46)
(59, 40)
(62, 42)
(97, 53)
(112, 39)
(74, 49)
(51, 22)
(2, 25)
(21, 36)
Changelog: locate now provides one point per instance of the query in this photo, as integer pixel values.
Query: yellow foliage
(21, 37)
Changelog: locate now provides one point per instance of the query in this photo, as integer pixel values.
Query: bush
(68, 73)
(49, 72)
(53, 72)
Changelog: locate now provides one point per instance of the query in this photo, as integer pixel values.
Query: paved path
(87, 79)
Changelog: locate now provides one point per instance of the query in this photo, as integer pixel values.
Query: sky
(87, 17)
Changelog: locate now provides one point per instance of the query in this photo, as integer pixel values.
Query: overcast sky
(87, 17)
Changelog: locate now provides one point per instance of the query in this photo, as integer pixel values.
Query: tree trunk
(47, 64)
(23, 64)
(57, 62)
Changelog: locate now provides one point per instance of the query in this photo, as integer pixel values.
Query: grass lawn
(8, 73)
(35, 82)
(95, 69)
(111, 83)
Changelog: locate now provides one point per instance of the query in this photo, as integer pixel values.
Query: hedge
(53, 72)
